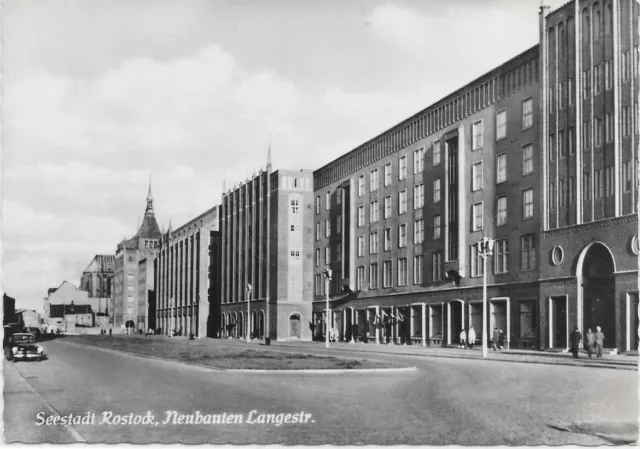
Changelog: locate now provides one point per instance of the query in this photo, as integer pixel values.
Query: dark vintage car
(24, 347)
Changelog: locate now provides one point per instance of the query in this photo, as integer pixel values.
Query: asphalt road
(446, 401)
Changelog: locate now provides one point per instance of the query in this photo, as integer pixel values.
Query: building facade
(97, 277)
(589, 140)
(267, 241)
(186, 271)
(67, 299)
(146, 293)
(125, 278)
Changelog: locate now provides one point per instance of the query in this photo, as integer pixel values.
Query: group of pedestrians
(467, 340)
(592, 341)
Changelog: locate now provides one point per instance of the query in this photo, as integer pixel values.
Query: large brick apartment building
(508, 156)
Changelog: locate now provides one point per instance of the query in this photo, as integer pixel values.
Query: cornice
(601, 224)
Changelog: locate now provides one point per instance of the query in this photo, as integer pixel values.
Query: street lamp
(327, 277)
(248, 313)
(485, 249)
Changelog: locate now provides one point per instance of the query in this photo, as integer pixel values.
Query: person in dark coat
(354, 331)
(496, 337)
(590, 340)
(501, 340)
(599, 338)
(575, 339)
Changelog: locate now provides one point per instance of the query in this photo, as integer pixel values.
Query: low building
(66, 317)
(68, 294)
(28, 319)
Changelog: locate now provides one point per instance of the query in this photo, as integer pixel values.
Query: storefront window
(527, 320)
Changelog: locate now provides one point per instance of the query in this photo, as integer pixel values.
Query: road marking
(72, 430)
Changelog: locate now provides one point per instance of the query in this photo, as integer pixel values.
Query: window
(626, 176)
(387, 206)
(436, 153)
(373, 243)
(387, 273)
(586, 84)
(571, 186)
(295, 207)
(586, 186)
(626, 121)
(318, 284)
(561, 95)
(373, 181)
(436, 227)
(402, 202)
(597, 131)
(597, 79)
(437, 269)
(418, 161)
(418, 231)
(387, 239)
(327, 228)
(387, 174)
(436, 190)
(402, 235)
(552, 147)
(374, 212)
(317, 257)
(361, 216)
(625, 65)
(501, 256)
(501, 168)
(608, 127)
(317, 205)
(402, 170)
(562, 152)
(477, 217)
(476, 177)
(527, 319)
(501, 125)
(527, 202)
(360, 246)
(552, 102)
(295, 255)
(327, 201)
(339, 251)
(418, 196)
(317, 231)
(570, 91)
(552, 195)
(608, 179)
(586, 135)
(361, 186)
(563, 192)
(571, 140)
(608, 75)
(599, 184)
(359, 278)
(418, 268)
(528, 252)
(327, 255)
(527, 159)
(477, 135)
(373, 276)
(501, 218)
(477, 262)
(527, 113)
(402, 271)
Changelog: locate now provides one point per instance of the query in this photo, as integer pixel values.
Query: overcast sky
(99, 95)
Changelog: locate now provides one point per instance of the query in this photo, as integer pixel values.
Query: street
(446, 401)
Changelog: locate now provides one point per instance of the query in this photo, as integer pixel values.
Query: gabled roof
(102, 263)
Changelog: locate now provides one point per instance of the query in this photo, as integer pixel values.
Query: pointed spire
(149, 210)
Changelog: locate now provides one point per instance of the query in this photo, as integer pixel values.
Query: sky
(101, 96)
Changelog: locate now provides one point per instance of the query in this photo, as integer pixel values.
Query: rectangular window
(586, 186)
(599, 184)
(563, 193)
(625, 66)
(477, 216)
(373, 276)
(360, 216)
(387, 206)
(501, 125)
(387, 174)
(501, 168)
(359, 278)
(528, 252)
(627, 180)
(317, 204)
(586, 136)
(317, 231)
(402, 271)
(570, 91)
(327, 201)
(501, 256)
(436, 153)
(527, 159)
(527, 204)
(571, 187)
(552, 195)
(418, 231)
(360, 246)
(317, 257)
(418, 196)
(327, 255)
(561, 95)
(418, 269)
(402, 170)
(373, 181)
(562, 152)
(476, 177)
(402, 202)
(361, 186)
(477, 262)
(527, 113)
(373, 243)
(586, 84)
(374, 212)
(608, 75)
(597, 79)
(501, 217)
(608, 179)
(327, 227)
(597, 131)
(387, 239)
(552, 147)
(387, 273)
(626, 121)
(436, 190)
(418, 160)
(402, 235)
(437, 268)
(477, 135)
(436, 227)
(571, 140)
(318, 284)
(608, 127)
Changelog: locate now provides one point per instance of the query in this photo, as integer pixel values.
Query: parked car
(23, 347)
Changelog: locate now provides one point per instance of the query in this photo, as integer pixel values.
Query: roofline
(194, 219)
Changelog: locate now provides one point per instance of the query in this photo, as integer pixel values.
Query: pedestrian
(599, 338)
(496, 337)
(355, 332)
(590, 340)
(501, 339)
(575, 339)
(472, 337)
(463, 339)
(110, 331)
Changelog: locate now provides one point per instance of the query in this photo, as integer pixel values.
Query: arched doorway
(295, 331)
(130, 324)
(598, 292)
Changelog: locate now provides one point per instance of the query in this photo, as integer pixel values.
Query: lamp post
(485, 249)
(327, 277)
(248, 313)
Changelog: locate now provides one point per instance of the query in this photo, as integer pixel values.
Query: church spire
(149, 209)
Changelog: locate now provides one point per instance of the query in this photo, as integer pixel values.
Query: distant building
(267, 243)
(69, 316)
(97, 277)
(146, 294)
(125, 279)
(68, 294)
(29, 319)
(8, 309)
(187, 271)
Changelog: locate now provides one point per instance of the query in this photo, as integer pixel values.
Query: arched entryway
(295, 331)
(596, 266)
(130, 324)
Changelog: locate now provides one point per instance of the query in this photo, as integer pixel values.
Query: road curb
(233, 370)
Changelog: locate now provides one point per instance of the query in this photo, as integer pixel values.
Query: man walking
(463, 339)
(590, 339)
(496, 336)
(599, 338)
(575, 339)
(472, 337)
